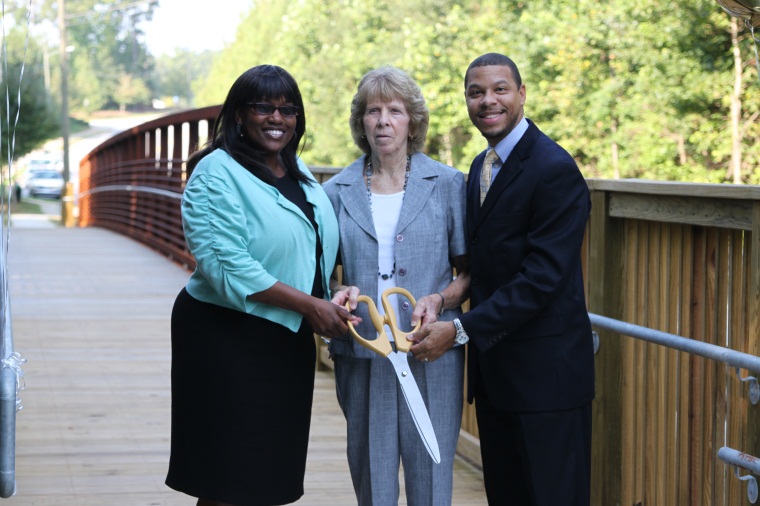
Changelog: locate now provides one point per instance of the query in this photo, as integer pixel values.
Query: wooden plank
(737, 391)
(628, 493)
(709, 414)
(641, 384)
(722, 298)
(653, 365)
(753, 323)
(677, 188)
(604, 285)
(697, 365)
(685, 372)
(673, 258)
(731, 214)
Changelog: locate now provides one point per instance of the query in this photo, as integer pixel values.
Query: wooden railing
(681, 258)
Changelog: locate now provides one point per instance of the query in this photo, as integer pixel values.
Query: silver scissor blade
(416, 405)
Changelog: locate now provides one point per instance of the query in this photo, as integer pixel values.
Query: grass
(77, 125)
(25, 207)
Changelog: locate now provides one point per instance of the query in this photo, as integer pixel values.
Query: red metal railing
(133, 182)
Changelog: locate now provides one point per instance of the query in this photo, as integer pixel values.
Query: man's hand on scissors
(329, 319)
(433, 341)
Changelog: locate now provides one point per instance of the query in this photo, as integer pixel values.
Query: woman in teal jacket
(264, 237)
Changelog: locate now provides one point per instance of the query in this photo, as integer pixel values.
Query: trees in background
(632, 88)
(109, 47)
(108, 64)
(175, 75)
(27, 116)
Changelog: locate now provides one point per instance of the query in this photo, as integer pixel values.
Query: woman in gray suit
(401, 220)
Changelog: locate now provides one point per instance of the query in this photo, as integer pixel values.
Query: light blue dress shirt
(507, 144)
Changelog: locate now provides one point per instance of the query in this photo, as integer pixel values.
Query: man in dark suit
(530, 360)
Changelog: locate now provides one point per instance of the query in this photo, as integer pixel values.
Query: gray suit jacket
(430, 232)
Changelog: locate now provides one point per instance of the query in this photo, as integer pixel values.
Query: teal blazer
(245, 236)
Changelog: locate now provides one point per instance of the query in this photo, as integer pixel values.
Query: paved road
(85, 141)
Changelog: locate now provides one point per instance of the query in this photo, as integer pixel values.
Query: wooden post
(605, 284)
(753, 327)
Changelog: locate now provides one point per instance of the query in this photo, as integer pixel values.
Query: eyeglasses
(265, 109)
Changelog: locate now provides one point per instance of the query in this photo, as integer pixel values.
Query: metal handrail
(719, 353)
(742, 460)
(132, 188)
(736, 359)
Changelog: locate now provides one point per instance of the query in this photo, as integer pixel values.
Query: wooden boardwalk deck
(90, 312)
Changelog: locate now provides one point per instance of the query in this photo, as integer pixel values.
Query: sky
(193, 24)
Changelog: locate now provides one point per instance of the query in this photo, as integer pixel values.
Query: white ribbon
(14, 361)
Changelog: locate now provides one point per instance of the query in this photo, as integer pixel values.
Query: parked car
(48, 183)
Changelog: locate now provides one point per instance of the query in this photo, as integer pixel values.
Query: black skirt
(242, 390)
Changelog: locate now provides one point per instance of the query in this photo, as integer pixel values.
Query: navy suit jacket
(531, 347)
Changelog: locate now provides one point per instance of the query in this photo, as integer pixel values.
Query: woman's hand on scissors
(344, 294)
(324, 317)
(426, 310)
(328, 318)
(433, 341)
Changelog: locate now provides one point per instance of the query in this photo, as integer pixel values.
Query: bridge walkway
(90, 312)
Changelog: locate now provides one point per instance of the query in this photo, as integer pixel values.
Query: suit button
(474, 240)
(399, 238)
(405, 305)
(402, 272)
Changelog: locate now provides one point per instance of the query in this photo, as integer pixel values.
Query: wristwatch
(461, 337)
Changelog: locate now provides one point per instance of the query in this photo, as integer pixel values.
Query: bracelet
(443, 302)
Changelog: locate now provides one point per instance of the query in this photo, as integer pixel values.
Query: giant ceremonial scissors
(382, 346)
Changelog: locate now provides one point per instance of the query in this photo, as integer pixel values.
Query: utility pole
(67, 204)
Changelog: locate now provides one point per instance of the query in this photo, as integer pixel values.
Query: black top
(291, 190)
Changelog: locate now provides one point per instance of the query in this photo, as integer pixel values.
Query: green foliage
(631, 88)
(130, 91)
(107, 43)
(29, 102)
(176, 72)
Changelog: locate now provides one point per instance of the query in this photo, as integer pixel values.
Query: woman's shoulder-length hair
(389, 83)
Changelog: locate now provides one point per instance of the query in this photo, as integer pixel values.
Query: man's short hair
(494, 59)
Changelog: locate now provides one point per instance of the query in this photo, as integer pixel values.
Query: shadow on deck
(91, 313)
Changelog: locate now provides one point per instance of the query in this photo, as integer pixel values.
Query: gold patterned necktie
(485, 173)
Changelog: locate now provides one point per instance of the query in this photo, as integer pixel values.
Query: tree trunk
(614, 153)
(736, 106)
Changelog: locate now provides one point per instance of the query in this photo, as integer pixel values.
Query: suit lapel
(354, 197)
(418, 190)
(508, 172)
(511, 168)
(473, 190)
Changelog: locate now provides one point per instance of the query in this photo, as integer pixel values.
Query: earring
(239, 129)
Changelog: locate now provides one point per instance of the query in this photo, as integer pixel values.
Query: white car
(48, 183)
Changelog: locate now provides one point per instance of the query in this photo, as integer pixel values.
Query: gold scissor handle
(399, 336)
(382, 345)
